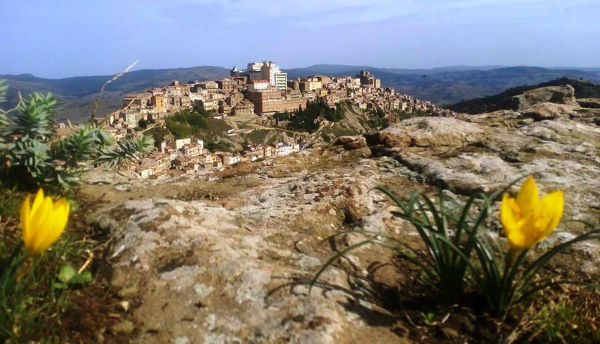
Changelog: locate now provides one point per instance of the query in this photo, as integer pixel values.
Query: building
(227, 85)
(129, 118)
(273, 100)
(182, 142)
(235, 72)
(294, 84)
(270, 71)
(254, 71)
(310, 84)
(192, 149)
(258, 85)
(264, 71)
(366, 78)
(280, 81)
(243, 108)
(159, 103)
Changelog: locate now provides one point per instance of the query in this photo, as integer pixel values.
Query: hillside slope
(503, 101)
(77, 94)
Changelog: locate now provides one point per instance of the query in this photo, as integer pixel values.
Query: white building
(267, 71)
(280, 81)
(182, 142)
(173, 92)
(258, 85)
(286, 149)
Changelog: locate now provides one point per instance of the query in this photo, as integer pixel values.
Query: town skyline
(139, 66)
(72, 39)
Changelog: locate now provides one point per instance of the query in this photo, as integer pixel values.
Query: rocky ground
(228, 260)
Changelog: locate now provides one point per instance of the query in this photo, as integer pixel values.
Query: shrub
(33, 158)
(308, 119)
(186, 123)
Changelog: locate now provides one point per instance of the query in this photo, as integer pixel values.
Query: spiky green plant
(3, 88)
(123, 151)
(3, 119)
(449, 235)
(82, 145)
(35, 116)
(33, 158)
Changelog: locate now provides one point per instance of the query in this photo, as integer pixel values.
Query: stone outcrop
(434, 132)
(547, 110)
(351, 142)
(234, 268)
(484, 152)
(228, 261)
(589, 102)
(553, 94)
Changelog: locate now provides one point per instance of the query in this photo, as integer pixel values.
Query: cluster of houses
(257, 92)
(261, 90)
(365, 91)
(189, 157)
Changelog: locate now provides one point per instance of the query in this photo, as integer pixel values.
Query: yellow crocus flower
(528, 219)
(43, 221)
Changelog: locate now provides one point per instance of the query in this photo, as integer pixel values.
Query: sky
(62, 38)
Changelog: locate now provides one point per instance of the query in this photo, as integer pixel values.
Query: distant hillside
(77, 94)
(331, 69)
(503, 101)
(449, 85)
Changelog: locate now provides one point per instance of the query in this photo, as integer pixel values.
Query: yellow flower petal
(552, 207)
(510, 216)
(528, 197)
(516, 237)
(37, 202)
(25, 209)
(527, 220)
(508, 213)
(43, 222)
(43, 211)
(54, 229)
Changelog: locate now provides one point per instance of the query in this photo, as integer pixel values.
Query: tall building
(280, 81)
(267, 71)
(254, 71)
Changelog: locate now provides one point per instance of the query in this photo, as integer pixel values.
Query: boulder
(553, 94)
(593, 103)
(434, 132)
(549, 110)
(351, 142)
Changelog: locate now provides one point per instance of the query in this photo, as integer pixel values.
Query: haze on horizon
(74, 38)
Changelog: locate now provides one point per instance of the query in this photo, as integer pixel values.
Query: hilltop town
(253, 95)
